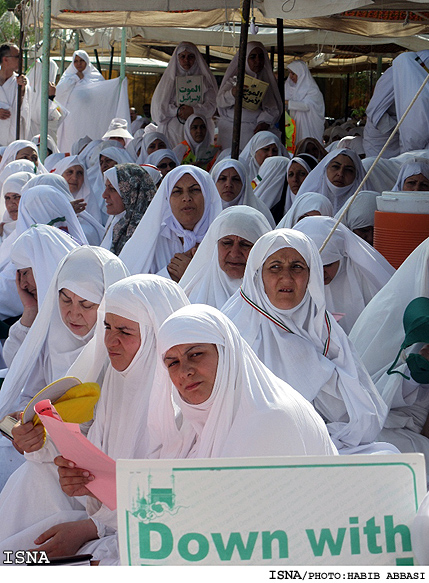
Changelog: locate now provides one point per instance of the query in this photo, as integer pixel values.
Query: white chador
(120, 427)
(46, 355)
(306, 347)
(250, 412)
(204, 282)
(159, 235)
(8, 100)
(91, 103)
(362, 271)
(305, 203)
(378, 334)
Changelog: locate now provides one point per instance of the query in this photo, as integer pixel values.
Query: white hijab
(13, 184)
(317, 180)
(362, 272)
(311, 123)
(250, 412)
(305, 346)
(41, 247)
(120, 418)
(147, 139)
(361, 212)
(90, 73)
(305, 203)
(17, 166)
(49, 343)
(157, 236)
(270, 180)
(246, 196)
(9, 155)
(411, 168)
(258, 141)
(204, 282)
(204, 150)
(302, 160)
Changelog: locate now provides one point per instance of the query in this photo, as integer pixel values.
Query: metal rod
(281, 75)
(112, 51)
(235, 146)
(20, 62)
(44, 106)
(98, 60)
(123, 52)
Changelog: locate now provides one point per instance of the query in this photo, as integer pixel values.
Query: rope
(351, 200)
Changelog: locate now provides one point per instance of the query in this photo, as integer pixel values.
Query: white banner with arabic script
(189, 89)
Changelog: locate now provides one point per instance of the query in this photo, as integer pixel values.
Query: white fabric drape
(315, 356)
(250, 412)
(361, 211)
(305, 203)
(257, 142)
(158, 235)
(306, 105)
(271, 179)
(362, 271)
(204, 282)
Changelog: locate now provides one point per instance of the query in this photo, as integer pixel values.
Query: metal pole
(235, 147)
(123, 52)
(76, 40)
(63, 52)
(97, 60)
(44, 107)
(112, 52)
(281, 75)
(19, 94)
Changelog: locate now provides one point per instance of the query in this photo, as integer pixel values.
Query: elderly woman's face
(192, 369)
(416, 183)
(106, 163)
(156, 145)
(285, 276)
(341, 171)
(198, 130)
(114, 202)
(187, 201)
(233, 252)
(28, 154)
(27, 281)
(186, 60)
(229, 184)
(11, 201)
(256, 60)
(122, 339)
(296, 176)
(330, 271)
(266, 152)
(77, 313)
(74, 177)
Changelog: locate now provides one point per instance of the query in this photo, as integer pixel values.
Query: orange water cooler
(401, 223)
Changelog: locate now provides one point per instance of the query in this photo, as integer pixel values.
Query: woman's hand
(177, 266)
(28, 301)
(73, 480)
(78, 205)
(261, 127)
(67, 538)
(185, 111)
(27, 437)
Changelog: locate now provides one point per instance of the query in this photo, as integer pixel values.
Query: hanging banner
(326, 510)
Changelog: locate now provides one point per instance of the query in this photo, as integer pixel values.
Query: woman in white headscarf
(337, 176)
(152, 142)
(261, 146)
(378, 335)
(36, 255)
(280, 311)
(297, 171)
(182, 210)
(73, 170)
(235, 188)
(166, 110)
(305, 103)
(165, 160)
(270, 184)
(128, 193)
(50, 348)
(217, 268)
(269, 109)
(354, 272)
(120, 427)
(308, 204)
(413, 176)
(198, 147)
(11, 191)
(22, 150)
(238, 408)
(360, 216)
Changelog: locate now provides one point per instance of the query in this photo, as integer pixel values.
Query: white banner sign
(189, 89)
(333, 510)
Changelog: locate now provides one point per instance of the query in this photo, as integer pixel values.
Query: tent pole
(112, 51)
(235, 147)
(45, 80)
(281, 75)
(63, 52)
(123, 52)
(19, 87)
(97, 60)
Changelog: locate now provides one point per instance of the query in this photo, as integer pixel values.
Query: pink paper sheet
(77, 448)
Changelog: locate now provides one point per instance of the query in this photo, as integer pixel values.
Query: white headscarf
(147, 139)
(246, 196)
(361, 211)
(305, 203)
(156, 157)
(204, 282)
(49, 344)
(411, 168)
(317, 180)
(271, 179)
(9, 155)
(13, 184)
(120, 418)
(41, 247)
(311, 123)
(157, 236)
(203, 151)
(90, 73)
(17, 166)
(305, 346)
(259, 140)
(250, 412)
(303, 160)
(362, 272)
